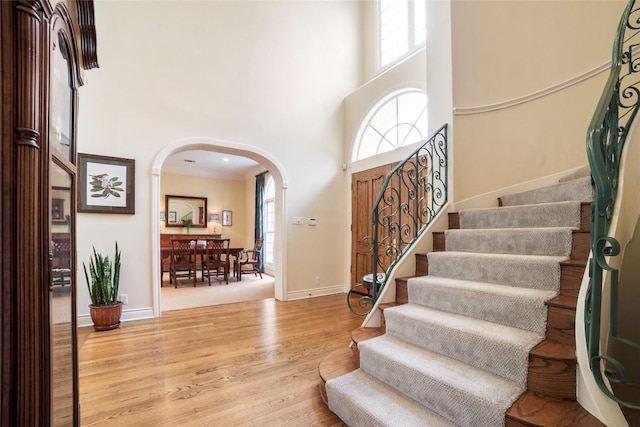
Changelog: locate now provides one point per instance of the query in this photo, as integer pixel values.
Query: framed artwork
(226, 218)
(57, 211)
(214, 217)
(172, 216)
(106, 184)
(162, 216)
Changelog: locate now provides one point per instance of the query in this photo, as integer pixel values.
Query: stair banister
(606, 137)
(412, 195)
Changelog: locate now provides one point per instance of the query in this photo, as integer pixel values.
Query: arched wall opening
(220, 146)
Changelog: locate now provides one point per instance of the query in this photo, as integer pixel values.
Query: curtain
(259, 220)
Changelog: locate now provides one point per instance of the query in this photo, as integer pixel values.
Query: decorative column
(32, 337)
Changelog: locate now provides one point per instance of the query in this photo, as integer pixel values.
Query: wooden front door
(365, 187)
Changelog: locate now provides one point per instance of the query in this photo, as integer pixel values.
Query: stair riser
(422, 265)
(581, 246)
(532, 410)
(356, 354)
(561, 324)
(382, 307)
(555, 378)
(402, 295)
(570, 280)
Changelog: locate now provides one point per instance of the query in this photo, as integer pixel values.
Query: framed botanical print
(106, 184)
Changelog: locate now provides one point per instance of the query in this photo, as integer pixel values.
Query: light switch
(297, 220)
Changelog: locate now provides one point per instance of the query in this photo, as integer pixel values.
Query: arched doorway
(254, 153)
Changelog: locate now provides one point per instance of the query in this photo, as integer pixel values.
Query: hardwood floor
(246, 364)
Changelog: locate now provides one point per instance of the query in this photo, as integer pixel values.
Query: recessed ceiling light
(189, 161)
(225, 159)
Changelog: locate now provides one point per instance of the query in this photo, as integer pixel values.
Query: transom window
(402, 30)
(397, 120)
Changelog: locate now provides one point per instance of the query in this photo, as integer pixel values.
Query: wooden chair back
(183, 259)
(216, 257)
(252, 259)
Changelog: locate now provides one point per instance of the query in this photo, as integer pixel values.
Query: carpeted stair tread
(526, 271)
(584, 171)
(470, 339)
(577, 190)
(517, 307)
(560, 214)
(552, 241)
(459, 392)
(361, 400)
(499, 349)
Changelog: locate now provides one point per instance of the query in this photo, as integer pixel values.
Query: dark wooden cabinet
(45, 48)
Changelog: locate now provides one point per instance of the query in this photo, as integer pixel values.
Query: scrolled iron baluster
(402, 213)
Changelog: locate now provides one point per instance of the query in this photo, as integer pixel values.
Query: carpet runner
(458, 352)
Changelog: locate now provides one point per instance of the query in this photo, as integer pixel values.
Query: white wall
(264, 74)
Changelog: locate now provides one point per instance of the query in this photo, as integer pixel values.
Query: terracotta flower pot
(106, 317)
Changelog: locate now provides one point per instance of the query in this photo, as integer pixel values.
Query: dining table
(165, 258)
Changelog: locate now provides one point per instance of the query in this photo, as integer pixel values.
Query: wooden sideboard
(165, 239)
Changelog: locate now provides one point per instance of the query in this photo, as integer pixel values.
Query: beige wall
(271, 76)
(221, 195)
(505, 50)
(268, 76)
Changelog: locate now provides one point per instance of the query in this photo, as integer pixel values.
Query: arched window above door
(397, 120)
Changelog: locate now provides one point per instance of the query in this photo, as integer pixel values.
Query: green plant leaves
(104, 187)
(103, 277)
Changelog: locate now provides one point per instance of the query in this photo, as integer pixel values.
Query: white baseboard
(315, 292)
(127, 315)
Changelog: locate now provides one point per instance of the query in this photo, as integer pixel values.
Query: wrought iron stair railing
(412, 195)
(606, 138)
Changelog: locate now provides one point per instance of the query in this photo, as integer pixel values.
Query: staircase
(484, 334)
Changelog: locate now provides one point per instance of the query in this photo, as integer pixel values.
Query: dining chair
(61, 261)
(183, 260)
(216, 259)
(250, 258)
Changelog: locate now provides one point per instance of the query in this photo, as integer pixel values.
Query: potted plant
(103, 281)
(187, 222)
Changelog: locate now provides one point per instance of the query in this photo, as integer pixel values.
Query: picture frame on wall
(172, 216)
(57, 211)
(226, 217)
(106, 184)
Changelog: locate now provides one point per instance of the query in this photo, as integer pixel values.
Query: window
(269, 221)
(399, 119)
(401, 29)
